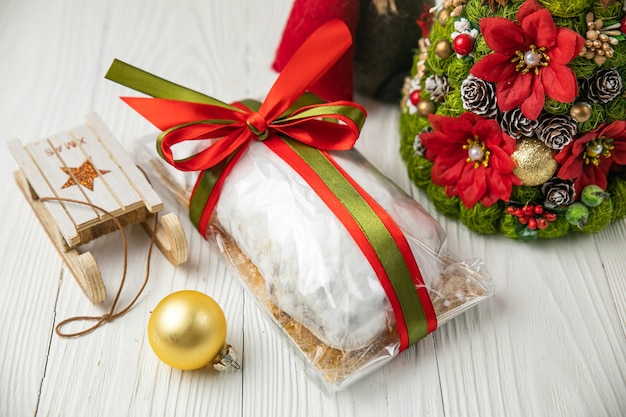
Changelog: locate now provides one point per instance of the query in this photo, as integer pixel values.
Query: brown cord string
(111, 315)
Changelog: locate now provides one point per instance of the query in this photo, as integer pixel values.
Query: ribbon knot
(257, 125)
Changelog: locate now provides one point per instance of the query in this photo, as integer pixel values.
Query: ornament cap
(227, 358)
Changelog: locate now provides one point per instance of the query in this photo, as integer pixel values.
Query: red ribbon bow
(286, 111)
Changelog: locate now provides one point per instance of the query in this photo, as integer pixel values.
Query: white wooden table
(550, 343)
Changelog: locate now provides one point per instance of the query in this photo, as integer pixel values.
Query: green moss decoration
(419, 171)
(583, 68)
(617, 189)
(474, 11)
(510, 10)
(416, 58)
(406, 149)
(438, 31)
(436, 64)
(615, 109)
(569, 8)
(599, 217)
(458, 70)
(612, 12)
(449, 206)
(525, 194)
(555, 107)
(481, 49)
(481, 219)
(411, 125)
(508, 224)
(576, 25)
(452, 105)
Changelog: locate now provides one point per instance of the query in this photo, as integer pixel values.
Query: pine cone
(418, 145)
(438, 86)
(556, 131)
(479, 96)
(558, 192)
(604, 86)
(516, 125)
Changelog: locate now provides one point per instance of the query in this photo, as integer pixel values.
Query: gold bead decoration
(187, 330)
(580, 112)
(443, 16)
(534, 162)
(426, 107)
(443, 48)
(599, 39)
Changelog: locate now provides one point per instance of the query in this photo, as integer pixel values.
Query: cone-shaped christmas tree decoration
(515, 111)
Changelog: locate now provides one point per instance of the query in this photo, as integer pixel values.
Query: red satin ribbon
(234, 126)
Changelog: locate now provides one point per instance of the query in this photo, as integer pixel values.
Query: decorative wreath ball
(513, 118)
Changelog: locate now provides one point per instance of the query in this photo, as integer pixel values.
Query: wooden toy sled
(87, 163)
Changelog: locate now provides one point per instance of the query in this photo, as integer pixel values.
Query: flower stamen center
(601, 146)
(477, 152)
(533, 59)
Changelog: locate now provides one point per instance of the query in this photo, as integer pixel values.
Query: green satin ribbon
(154, 86)
(377, 235)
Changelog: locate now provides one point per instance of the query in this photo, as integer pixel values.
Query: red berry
(510, 210)
(623, 23)
(529, 210)
(415, 96)
(549, 216)
(542, 223)
(523, 220)
(463, 44)
(532, 223)
(519, 212)
(538, 209)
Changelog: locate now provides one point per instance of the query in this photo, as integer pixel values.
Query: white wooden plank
(28, 288)
(612, 244)
(39, 43)
(42, 188)
(115, 181)
(551, 342)
(73, 156)
(47, 159)
(135, 176)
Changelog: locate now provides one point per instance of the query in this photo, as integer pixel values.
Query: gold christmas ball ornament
(443, 16)
(187, 330)
(580, 112)
(534, 162)
(443, 48)
(426, 107)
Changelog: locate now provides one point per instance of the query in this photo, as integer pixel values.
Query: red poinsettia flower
(530, 59)
(588, 159)
(471, 158)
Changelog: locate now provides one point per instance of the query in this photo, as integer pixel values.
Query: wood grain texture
(551, 342)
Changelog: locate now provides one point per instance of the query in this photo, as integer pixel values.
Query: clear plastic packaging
(305, 270)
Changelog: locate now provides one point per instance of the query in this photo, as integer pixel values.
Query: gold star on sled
(84, 174)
